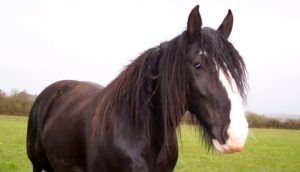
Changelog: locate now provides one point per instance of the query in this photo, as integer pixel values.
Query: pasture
(266, 150)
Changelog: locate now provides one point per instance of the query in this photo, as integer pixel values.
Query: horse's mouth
(229, 147)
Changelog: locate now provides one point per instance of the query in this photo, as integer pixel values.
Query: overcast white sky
(49, 40)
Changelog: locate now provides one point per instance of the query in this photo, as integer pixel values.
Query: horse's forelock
(225, 57)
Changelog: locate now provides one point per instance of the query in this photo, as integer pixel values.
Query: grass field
(266, 150)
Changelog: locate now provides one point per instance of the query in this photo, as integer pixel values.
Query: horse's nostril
(217, 134)
(224, 133)
(224, 136)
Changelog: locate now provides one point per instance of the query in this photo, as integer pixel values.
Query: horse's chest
(141, 160)
(132, 146)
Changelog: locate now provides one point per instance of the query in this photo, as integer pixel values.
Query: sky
(49, 40)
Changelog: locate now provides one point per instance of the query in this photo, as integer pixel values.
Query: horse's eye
(198, 66)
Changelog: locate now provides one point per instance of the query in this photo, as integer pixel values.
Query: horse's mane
(156, 71)
(162, 71)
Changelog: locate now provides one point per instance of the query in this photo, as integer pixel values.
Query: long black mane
(163, 71)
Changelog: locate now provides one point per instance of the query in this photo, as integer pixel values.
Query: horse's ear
(226, 26)
(194, 24)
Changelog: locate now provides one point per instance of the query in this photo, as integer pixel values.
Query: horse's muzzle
(234, 143)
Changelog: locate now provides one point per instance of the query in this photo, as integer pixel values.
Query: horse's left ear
(194, 24)
(226, 27)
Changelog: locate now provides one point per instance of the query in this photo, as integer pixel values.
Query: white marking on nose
(238, 127)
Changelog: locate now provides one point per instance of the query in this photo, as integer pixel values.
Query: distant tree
(2, 102)
(2, 93)
(18, 103)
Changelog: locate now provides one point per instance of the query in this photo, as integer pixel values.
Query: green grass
(266, 150)
(13, 157)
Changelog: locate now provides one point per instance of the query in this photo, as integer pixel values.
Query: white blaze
(238, 127)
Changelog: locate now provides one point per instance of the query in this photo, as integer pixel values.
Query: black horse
(130, 125)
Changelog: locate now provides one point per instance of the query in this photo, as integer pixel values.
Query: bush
(18, 103)
(261, 121)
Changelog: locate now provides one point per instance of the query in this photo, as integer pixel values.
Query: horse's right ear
(194, 24)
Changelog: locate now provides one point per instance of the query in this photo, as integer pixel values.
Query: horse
(130, 125)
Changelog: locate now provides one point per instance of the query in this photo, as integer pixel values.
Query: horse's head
(217, 83)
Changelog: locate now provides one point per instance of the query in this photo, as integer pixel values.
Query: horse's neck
(164, 158)
(157, 125)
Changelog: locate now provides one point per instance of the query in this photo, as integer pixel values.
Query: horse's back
(58, 121)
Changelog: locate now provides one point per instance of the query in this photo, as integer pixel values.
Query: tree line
(17, 103)
(258, 121)
(261, 121)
